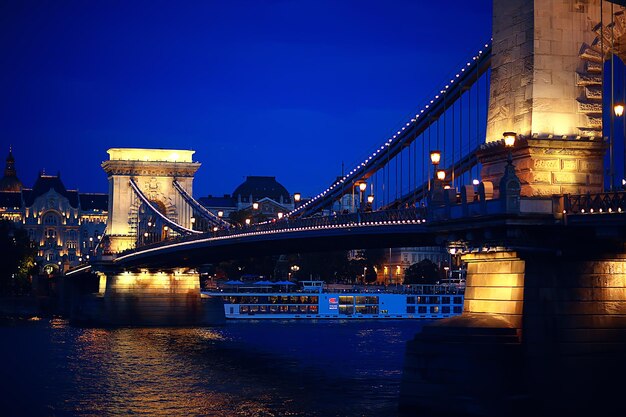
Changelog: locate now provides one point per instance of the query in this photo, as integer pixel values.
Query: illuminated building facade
(65, 226)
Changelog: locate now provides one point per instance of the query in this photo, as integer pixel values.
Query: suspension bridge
(508, 164)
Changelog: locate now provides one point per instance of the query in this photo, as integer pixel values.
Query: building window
(50, 220)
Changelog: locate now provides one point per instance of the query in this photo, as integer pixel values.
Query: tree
(423, 272)
(18, 259)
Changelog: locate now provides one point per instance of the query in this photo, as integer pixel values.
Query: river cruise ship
(315, 300)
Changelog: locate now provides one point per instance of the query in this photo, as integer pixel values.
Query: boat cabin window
(344, 299)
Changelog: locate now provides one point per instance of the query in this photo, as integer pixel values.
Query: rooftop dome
(254, 188)
(10, 182)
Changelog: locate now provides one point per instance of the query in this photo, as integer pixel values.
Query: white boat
(315, 300)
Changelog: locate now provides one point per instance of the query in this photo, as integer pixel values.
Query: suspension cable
(199, 207)
(175, 226)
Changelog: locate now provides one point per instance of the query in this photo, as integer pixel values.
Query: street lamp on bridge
(509, 142)
(362, 187)
(618, 109)
(435, 158)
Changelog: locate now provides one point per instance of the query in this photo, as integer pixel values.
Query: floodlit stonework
(154, 171)
(546, 86)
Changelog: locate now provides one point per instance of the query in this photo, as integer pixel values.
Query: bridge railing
(614, 202)
(358, 218)
(403, 216)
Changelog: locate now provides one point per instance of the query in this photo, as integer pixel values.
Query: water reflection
(245, 369)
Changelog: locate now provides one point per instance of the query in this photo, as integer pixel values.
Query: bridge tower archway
(154, 172)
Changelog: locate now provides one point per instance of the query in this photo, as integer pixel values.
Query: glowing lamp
(255, 206)
(370, 198)
(215, 228)
(441, 175)
(280, 214)
(618, 109)
(362, 186)
(165, 228)
(435, 157)
(509, 139)
(297, 197)
(248, 221)
(220, 213)
(475, 182)
(193, 220)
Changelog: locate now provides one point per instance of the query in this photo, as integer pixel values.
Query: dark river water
(254, 368)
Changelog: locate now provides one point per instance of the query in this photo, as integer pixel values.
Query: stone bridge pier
(542, 333)
(146, 298)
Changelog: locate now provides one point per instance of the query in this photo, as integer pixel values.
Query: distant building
(65, 226)
(398, 260)
(9, 181)
(271, 196)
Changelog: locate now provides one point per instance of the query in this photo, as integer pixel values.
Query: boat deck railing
(400, 289)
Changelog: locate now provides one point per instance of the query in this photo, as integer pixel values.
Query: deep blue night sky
(285, 88)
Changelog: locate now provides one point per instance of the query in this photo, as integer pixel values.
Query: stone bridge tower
(546, 86)
(154, 171)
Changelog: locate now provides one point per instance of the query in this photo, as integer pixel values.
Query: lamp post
(509, 142)
(510, 185)
(362, 188)
(370, 202)
(294, 269)
(618, 110)
(435, 158)
(441, 175)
